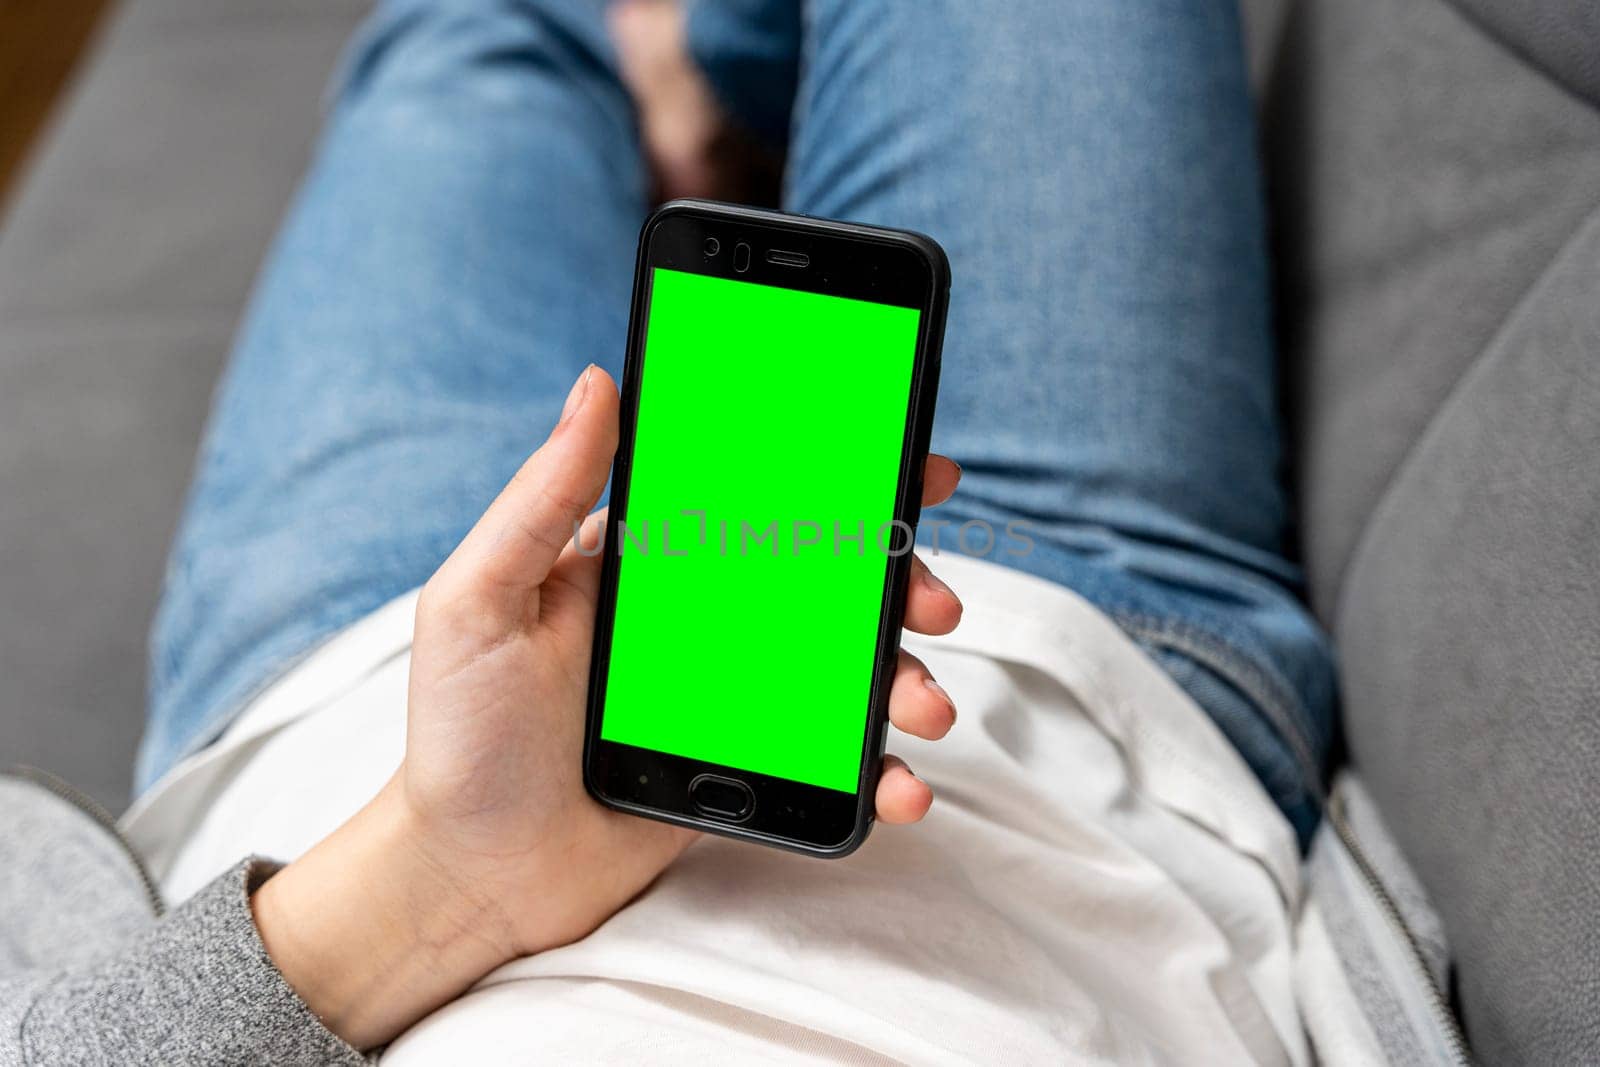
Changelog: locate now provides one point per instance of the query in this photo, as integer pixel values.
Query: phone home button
(722, 798)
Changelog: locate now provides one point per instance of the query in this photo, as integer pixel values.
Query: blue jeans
(464, 244)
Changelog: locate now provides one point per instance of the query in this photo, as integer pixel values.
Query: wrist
(373, 931)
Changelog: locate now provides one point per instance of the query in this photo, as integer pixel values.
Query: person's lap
(463, 245)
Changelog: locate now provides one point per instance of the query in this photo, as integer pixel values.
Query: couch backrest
(1435, 169)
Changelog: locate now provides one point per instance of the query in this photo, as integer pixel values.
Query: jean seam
(1268, 694)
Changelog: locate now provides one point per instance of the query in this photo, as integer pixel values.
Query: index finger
(509, 552)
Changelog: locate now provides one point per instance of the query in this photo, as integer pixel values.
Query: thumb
(509, 553)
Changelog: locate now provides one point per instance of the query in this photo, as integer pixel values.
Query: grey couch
(1435, 167)
(124, 263)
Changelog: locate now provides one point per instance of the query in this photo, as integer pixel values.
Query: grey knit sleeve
(195, 988)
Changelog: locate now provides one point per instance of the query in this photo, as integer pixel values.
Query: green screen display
(755, 539)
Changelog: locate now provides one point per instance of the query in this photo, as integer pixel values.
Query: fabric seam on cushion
(1433, 428)
(1488, 32)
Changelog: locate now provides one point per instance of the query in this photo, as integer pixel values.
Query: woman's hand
(484, 846)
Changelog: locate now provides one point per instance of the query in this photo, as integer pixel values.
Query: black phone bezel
(861, 262)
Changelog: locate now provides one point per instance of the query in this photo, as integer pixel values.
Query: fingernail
(938, 586)
(580, 389)
(944, 696)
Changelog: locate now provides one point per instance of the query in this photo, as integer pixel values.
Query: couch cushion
(1560, 37)
(1423, 176)
(1441, 280)
(123, 265)
(1469, 631)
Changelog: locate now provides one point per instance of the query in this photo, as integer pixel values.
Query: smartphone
(776, 404)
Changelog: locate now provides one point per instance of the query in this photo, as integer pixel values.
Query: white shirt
(1101, 878)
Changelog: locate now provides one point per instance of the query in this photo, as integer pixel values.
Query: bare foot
(694, 148)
